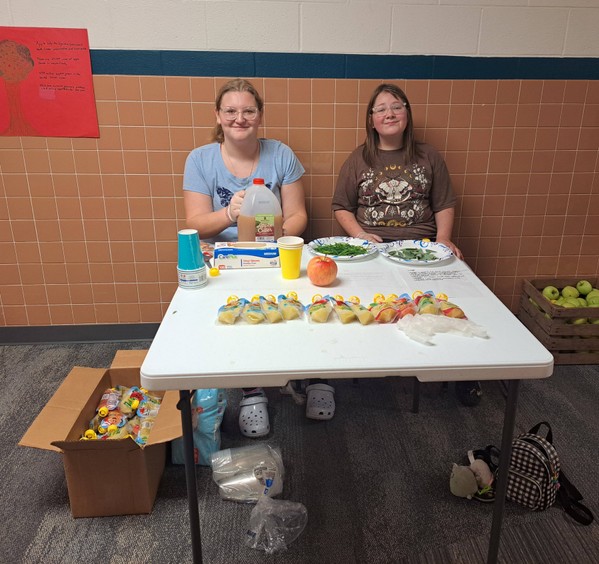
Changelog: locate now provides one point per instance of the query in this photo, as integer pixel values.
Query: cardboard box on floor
(112, 477)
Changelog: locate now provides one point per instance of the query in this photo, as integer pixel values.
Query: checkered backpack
(533, 478)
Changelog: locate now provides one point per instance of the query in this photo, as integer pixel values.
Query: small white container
(193, 279)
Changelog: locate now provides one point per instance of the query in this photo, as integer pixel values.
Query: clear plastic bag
(423, 328)
(275, 524)
(246, 473)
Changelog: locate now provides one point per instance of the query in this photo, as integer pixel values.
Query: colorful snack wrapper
(319, 310)
(252, 312)
(428, 304)
(405, 306)
(130, 399)
(109, 401)
(230, 312)
(290, 307)
(363, 314)
(149, 406)
(344, 311)
(451, 310)
(383, 312)
(270, 309)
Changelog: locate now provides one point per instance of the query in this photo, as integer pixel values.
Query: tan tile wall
(88, 226)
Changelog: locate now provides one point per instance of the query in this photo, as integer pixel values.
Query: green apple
(582, 302)
(594, 293)
(571, 302)
(593, 300)
(594, 320)
(579, 321)
(584, 287)
(569, 292)
(551, 292)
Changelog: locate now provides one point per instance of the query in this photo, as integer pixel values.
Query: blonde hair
(234, 85)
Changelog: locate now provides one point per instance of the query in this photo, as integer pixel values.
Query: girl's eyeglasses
(230, 114)
(395, 109)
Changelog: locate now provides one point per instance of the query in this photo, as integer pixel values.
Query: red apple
(322, 271)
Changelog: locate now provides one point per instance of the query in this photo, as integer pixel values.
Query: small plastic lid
(258, 181)
(103, 411)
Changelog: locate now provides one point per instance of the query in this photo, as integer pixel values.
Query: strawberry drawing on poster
(46, 84)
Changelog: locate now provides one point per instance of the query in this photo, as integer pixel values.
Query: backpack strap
(569, 498)
(548, 436)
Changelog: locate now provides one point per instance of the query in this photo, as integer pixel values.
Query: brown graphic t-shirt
(393, 200)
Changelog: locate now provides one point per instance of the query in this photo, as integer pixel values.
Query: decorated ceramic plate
(342, 248)
(415, 252)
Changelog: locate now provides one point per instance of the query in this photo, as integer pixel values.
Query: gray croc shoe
(320, 402)
(253, 416)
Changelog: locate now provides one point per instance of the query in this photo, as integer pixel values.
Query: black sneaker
(486, 494)
(469, 393)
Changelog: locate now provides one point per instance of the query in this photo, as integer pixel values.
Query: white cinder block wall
(542, 28)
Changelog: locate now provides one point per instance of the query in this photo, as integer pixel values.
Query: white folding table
(192, 350)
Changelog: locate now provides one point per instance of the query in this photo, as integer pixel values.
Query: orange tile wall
(88, 226)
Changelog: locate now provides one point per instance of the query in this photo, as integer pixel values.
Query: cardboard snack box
(246, 255)
(132, 474)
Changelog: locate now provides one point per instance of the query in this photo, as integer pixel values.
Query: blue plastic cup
(190, 256)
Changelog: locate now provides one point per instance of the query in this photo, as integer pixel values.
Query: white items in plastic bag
(275, 524)
(244, 474)
(424, 327)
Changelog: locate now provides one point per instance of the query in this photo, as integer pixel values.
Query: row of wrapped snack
(382, 309)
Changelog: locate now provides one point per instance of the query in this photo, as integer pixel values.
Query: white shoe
(253, 416)
(320, 402)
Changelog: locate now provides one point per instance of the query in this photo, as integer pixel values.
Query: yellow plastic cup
(290, 256)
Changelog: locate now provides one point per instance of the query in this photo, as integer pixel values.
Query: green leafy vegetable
(341, 250)
(411, 253)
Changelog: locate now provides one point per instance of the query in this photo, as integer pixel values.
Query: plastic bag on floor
(275, 524)
(246, 473)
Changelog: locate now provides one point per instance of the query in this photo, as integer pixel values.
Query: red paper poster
(46, 86)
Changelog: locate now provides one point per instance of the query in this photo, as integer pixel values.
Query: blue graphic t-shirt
(206, 173)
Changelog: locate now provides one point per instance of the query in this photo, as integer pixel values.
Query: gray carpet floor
(375, 479)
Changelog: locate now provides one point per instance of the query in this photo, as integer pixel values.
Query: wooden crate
(552, 325)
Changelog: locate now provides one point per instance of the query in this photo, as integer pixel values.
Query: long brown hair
(370, 151)
(234, 85)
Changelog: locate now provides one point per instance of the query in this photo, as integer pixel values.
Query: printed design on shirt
(395, 196)
(225, 196)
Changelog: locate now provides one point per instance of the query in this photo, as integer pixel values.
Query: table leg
(415, 395)
(184, 405)
(509, 419)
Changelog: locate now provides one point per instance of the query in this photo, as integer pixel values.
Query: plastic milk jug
(260, 217)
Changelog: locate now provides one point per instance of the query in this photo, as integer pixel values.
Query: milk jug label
(265, 227)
